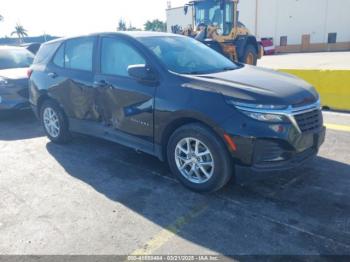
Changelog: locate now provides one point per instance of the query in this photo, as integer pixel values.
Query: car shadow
(280, 214)
(18, 125)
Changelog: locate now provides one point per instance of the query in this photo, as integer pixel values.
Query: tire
(62, 134)
(221, 170)
(250, 56)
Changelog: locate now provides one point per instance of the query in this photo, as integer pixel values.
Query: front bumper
(273, 154)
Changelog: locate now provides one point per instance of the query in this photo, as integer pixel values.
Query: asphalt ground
(93, 197)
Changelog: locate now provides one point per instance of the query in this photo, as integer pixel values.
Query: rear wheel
(54, 122)
(250, 55)
(198, 158)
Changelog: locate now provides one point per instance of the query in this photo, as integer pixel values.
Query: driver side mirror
(142, 73)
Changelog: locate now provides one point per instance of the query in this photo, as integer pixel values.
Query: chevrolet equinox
(177, 99)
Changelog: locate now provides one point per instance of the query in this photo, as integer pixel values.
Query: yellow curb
(338, 127)
(333, 85)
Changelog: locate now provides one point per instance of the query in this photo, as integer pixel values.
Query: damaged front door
(125, 104)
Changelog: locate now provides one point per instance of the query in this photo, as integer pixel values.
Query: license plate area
(308, 140)
(305, 141)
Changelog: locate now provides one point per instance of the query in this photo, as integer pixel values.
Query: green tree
(121, 25)
(155, 25)
(20, 32)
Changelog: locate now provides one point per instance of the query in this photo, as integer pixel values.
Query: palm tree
(20, 32)
(121, 25)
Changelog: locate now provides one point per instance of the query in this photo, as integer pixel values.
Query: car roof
(133, 34)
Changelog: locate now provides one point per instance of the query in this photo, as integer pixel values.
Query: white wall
(247, 11)
(176, 16)
(338, 19)
(293, 18)
(298, 17)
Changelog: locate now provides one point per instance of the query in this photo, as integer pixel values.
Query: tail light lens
(29, 72)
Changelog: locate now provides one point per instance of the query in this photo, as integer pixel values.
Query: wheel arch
(243, 41)
(44, 97)
(178, 122)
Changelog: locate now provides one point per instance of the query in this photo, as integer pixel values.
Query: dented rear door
(70, 76)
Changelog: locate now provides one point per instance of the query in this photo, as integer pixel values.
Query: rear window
(45, 53)
(15, 58)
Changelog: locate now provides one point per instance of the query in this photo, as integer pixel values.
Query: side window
(78, 53)
(117, 56)
(45, 53)
(59, 57)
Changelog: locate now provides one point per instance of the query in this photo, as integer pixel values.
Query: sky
(75, 17)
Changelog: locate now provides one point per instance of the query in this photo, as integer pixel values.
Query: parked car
(177, 99)
(14, 64)
(269, 47)
(32, 47)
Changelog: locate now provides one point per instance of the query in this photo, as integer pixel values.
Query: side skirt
(97, 130)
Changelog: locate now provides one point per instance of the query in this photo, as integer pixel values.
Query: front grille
(309, 121)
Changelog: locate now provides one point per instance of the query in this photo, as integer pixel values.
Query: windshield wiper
(229, 68)
(193, 73)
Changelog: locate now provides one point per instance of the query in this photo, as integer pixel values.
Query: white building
(294, 25)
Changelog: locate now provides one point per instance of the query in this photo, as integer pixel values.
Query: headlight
(261, 112)
(255, 106)
(3, 82)
(265, 117)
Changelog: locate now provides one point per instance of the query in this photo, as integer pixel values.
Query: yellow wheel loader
(215, 23)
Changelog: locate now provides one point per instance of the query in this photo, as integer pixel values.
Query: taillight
(29, 72)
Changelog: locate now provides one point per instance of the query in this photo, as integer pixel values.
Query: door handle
(102, 83)
(52, 75)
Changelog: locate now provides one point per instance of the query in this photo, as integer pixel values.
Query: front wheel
(198, 158)
(250, 55)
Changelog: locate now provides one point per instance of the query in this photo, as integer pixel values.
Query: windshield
(185, 55)
(15, 58)
(215, 13)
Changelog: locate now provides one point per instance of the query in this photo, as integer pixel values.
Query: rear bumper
(17, 104)
(14, 99)
(277, 154)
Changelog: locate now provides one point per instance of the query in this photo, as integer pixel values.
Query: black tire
(64, 136)
(223, 169)
(250, 51)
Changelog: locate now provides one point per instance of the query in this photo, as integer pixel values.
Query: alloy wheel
(51, 122)
(194, 160)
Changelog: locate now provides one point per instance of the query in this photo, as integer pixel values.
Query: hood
(252, 84)
(14, 73)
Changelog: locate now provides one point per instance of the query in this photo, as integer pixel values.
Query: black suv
(175, 98)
